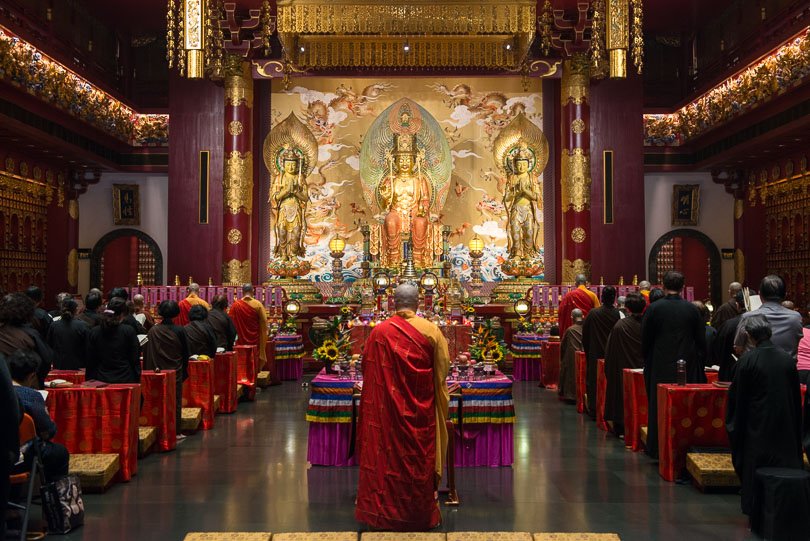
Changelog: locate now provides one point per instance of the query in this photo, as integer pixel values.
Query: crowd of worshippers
(764, 353)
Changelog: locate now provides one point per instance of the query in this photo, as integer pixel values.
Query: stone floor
(250, 474)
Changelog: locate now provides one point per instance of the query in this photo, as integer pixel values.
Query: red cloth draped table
(488, 413)
(550, 364)
(526, 353)
(580, 371)
(198, 390)
(601, 390)
(158, 407)
(99, 420)
(458, 338)
(76, 377)
(247, 369)
(225, 380)
(289, 356)
(635, 404)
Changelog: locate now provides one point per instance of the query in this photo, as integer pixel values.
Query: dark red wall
(197, 110)
(616, 124)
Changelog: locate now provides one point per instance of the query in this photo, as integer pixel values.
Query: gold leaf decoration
(292, 133)
(519, 131)
(237, 182)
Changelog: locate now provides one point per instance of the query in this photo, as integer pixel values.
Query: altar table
(225, 381)
(288, 352)
(76, 377)
(158, 407)
(488, 415)
(550, 364)
(198, 390)
(526, 356)
(580, 371)
(458, 338)
(98, 420)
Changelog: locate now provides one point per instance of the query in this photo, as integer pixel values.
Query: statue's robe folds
(581, 298)
(185, 307)
(402, 436)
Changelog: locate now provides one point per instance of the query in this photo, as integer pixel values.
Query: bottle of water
(681, 372)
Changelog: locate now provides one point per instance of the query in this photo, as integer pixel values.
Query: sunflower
(496, 355)
(331, 352)
(346, 310)
(328, 343)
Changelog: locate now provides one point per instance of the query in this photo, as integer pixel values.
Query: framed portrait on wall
(685, 204)
(126, 204)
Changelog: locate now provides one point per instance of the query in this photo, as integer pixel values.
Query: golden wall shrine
(469, 114)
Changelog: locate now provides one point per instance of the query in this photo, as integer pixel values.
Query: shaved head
(406, 296)
(644, 285)
(577, 316)
(734, 288)
(247, 289)
(581, 279)
(193, 288)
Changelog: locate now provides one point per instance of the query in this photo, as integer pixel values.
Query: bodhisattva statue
(289, 198)
(405, 194)
(521, 198)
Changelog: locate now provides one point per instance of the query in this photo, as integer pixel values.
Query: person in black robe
(200, 337)
(60, 298)
(763, 413)
(724, 354)
(167, 349)
(113, 352)
(91, 315)
(623, 350)
(67, 337)
(129, 316)
(571, 343)
(42, 320)
(671, 330)
(16, 332)
(9, 436)
(221, 323)
(730, 309)
(595, 331)
(711, 332)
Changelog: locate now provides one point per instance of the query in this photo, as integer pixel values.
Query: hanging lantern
(617, 36)
(194, 37)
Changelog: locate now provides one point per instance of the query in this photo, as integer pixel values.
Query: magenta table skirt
(485, 444)
(290, 369)
(526, 369)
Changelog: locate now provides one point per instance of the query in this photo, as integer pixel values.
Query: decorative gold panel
(576, 79)
(237, 182)
(234, 236)
(578, 235)
(73, 268)
(236, 272)
(571, 269)
(576, 180)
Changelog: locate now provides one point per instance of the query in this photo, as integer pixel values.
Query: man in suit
(786, 324)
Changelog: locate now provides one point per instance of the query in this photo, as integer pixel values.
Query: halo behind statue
(406, 117)
(518, 133)
(292, 134)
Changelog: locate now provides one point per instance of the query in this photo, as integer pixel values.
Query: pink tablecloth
(526, 369)
(290, 369)
(487, 444)
(328, 444)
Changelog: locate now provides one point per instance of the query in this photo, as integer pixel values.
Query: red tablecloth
(550, 365)
(158, 406)
(635, 405)
(246, 369)
(225, 381)
(601, 389)
(198, 390)
(580, 367)
(99, 420)
(75, 377)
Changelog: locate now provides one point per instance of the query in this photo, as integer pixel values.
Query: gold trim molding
(234, 236)
(578, 235)
(576, 180)
(25, 190)
(73, 268)
(576, 80)
(237, 182)
(235, 272)
(238, 83)
(570, 269)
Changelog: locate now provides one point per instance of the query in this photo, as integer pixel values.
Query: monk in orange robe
(402, 426)
(250, 319)
(185, 305)
(644, 288)
(581, 298)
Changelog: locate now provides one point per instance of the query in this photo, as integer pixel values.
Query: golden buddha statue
(521, 199)
(405, 194)
(289, 198)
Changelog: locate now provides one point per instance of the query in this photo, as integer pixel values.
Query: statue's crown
(404, 143)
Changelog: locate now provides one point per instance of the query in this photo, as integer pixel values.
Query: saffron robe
(581, 298)
(250, 320)
(402, 438)
(185, 307)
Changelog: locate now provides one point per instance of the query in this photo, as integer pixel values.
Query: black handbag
(62, 504)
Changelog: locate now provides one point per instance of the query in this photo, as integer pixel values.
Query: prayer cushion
(228, 536)
(147, 435)
(643, 432)
(712, 470)
(95, 471)
(316, 536)
(543, 536)
(263, 379)
(402, 536)
(489, 536)
(190, 419)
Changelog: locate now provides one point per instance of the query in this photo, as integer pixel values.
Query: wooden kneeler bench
(190, 419)
(147, 436)
(95, 471)
(263, 379)
(712, 470)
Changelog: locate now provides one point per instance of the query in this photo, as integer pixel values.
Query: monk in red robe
(185, 305)
(250, 319)
(402, 435)
(581, 298)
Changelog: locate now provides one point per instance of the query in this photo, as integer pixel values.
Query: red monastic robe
(396, 436)
(250, 320)
(185, 307)
(581, 298)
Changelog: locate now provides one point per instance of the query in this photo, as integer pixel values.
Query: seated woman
(221, 323)
(200, 336)
(113, 352)
(67, 336)
(55, 457)
(167, 349)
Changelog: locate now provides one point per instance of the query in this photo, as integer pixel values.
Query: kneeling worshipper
(167, 349)
(763, 415)
(402, 430)
(221, 323)
(193, 299)
(16, 332)
(623, 350)
(113, 351)
(595, 331)
(200, 337)
(250, 319)
(55, 457)
(571, 343)
(67, 337)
